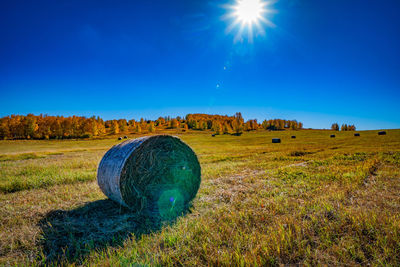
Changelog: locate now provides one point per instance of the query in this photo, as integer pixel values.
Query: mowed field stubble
(310, 200)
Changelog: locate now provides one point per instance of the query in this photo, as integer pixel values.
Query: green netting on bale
(160, 177)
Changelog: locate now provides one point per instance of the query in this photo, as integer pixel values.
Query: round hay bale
(293, 137)
(158, 175)
(382, 133)
(333, 136)
(125, 137)
(119, 138)
(357, 134)
(276, 140)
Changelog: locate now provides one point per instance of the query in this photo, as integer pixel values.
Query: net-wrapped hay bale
(158, 175)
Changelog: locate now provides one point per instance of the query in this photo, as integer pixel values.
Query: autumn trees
(236, 124)
(114, 127)
(46, 127)
(152, 127)
(174, 124)
(345, 127)
(335, 126)
(279, 124)
(59, 127)
(217, 123)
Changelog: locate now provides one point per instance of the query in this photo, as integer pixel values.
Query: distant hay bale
(213, 135)
(125, 137)
(276, 140)
(158, 175)
(333, 136)
(119, 138)
(293, 137)
(357, 134)
(382, 133)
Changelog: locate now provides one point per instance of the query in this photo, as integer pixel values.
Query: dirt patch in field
(300, 153)
(232, 188)
(378, 192)
(300, 164)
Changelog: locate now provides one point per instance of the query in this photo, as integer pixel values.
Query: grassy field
(310, 200)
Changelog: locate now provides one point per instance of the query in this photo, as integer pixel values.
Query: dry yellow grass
(310, 200)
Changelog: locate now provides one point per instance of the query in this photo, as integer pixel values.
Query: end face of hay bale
(276, 140)
(158, 175)
(382, 133)
(333, 136)
(125, 137)
(357, 134)
(119, 138)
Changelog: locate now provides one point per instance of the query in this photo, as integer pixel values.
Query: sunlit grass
(311, 200)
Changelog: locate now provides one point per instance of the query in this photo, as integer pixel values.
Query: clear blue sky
(324, 61)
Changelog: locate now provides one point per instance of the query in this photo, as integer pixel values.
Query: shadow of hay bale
(70, 235)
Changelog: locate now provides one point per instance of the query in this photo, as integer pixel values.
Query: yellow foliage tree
(114, 127)
(138, 128)
(152, 128)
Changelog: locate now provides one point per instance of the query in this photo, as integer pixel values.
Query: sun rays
(248, 18)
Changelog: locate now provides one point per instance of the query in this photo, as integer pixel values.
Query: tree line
(60, 127)
(344, 127)
(49, 127)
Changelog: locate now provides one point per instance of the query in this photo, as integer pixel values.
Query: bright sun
(249, 11)
(248, 14)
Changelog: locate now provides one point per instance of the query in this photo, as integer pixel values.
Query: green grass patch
(23, 156)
